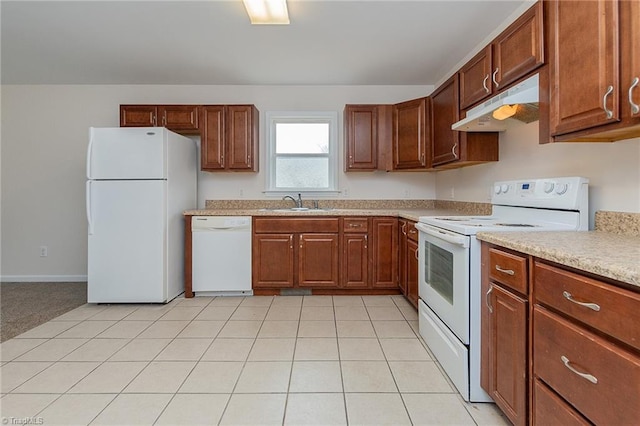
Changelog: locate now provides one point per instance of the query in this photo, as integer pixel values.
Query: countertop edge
(588, 251)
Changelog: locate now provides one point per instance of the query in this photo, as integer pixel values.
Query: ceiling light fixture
(505, 111)
(267, 12)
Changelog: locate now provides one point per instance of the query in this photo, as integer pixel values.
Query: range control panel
(566, 193)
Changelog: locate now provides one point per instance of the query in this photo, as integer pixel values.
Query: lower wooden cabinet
(349, 253)
(408, 260)
(504, 360)
(384, 254)
(273, 260)
(558, 346)
(318, 260)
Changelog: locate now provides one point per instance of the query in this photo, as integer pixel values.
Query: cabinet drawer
(550, 409)
(355, 224)
(597, 377)
(607, 308)
(311, 224)
(508, 269)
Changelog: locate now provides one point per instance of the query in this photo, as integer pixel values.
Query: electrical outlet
(407, 193)
(241, 193)
(345, 192)
(44, 251)
(453, 193)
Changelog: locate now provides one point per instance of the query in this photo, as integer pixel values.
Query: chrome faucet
(297, 202)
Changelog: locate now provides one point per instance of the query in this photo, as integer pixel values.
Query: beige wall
(44, 137)
(613, 169)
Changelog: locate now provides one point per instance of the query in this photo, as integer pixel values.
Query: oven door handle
(460, 240)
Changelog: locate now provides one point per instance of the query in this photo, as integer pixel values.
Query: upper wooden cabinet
(516, 52)
(450, 148)
(361, 137)
(229, 138)
(178, 118)
(594, 70)
(411, 134)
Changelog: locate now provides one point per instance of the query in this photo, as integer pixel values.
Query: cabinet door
(412, 272)
(355, 261)
(583, 65)
(410, 134)
(273, 258)
(361, 137)
(519, 49)
(138, 115)
(475, 79)
(444, 112)
(402, 256)
(318, 260)
(179, 118)
(242, 136)
(385, 252)
(212, 142)
(507, 329)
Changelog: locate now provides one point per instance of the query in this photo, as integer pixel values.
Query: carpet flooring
(24, 306)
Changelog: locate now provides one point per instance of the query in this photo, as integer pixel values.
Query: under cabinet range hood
(520, 102)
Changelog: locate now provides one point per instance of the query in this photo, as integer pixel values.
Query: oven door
(444, 277)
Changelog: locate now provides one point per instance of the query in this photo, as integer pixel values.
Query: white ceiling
(329, 42)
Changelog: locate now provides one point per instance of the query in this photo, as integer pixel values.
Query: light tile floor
(294, 360)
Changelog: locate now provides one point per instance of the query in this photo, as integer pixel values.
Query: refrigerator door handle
(89, 149)
(89, 208)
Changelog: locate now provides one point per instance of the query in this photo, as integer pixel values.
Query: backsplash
(461, 206)
(618, 222)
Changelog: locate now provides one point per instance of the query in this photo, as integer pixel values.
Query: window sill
(307, 194)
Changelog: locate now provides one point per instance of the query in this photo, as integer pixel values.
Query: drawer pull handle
(570, 298)
(604, 102)
(505, 271)
(585, 376)
(488, 299)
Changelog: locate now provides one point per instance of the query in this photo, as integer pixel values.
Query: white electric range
(449, 266)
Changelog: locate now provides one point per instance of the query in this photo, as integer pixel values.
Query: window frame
(274, 117)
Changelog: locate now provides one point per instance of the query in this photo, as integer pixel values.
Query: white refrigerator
(139, 181)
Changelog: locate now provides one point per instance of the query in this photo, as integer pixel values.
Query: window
(302, 152)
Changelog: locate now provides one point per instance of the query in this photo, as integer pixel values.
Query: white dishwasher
(221, 255)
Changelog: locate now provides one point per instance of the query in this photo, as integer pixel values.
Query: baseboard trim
(41, 278)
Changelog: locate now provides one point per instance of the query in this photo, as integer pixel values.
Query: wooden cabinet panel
(410, 134)
(475, 79)
(318, 260)
(412, 272)
(242, 137)
(509, 269)
(361, 137)
(273, 260)
(385, 252)
(229, 138)
(583, 64)
(550, 409)
(296, 224)
(586, 370)
(358, 224)
(355, 261)
(213, 142)
(138, 115)
(630, 61)
(604, 307)
(179, 118)
(507, 332)
(519, 49)
(445, 112)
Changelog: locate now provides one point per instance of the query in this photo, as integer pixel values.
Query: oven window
(438, 270)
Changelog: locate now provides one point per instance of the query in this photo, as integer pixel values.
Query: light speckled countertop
(412, 214)
(610, 255)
